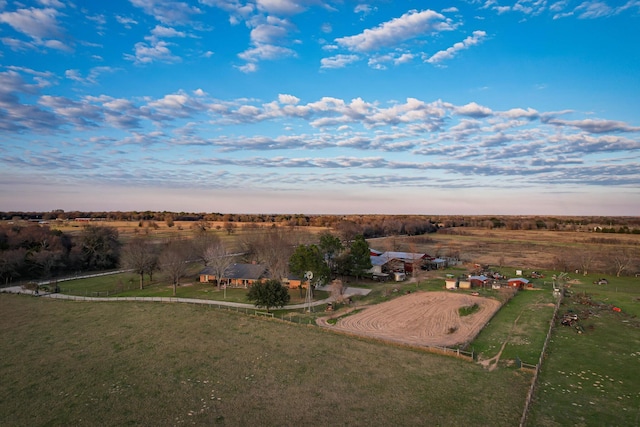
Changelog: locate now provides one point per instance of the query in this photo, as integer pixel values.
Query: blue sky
(281, 106)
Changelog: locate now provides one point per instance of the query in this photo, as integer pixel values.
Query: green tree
(331, 246)
(269, 294)
(309, 258)
(100, 247)
(360, 256)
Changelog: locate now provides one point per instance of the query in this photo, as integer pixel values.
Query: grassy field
(591, 378)
(69, 363)
(518, 329)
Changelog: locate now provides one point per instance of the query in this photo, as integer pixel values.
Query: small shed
(479, 281)
(518, 282)
(464, 284)
(399, 276)
(451, 283)
(438, 263)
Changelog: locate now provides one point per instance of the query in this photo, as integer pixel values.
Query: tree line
(371, 225)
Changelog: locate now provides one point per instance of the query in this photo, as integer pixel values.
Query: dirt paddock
(421, 318)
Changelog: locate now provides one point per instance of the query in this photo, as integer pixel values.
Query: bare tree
(621, 259)
(218, 260)
(201, 244)
(273, 247)
(173, 261)
(230, 227)
(585, 260)
(139, 255)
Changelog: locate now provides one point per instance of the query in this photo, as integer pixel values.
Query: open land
(74, 363)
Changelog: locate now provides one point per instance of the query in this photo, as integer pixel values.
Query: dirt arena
(421, 318)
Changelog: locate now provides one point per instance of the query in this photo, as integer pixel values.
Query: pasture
(73, 363)
(589, 376)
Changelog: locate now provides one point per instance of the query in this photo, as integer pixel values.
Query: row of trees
(35, 251)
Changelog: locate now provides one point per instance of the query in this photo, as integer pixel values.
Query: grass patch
(69, 363)
(522, 323)
(468, 310)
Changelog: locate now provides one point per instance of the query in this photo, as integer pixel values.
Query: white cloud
(35, 23)
(595, 126)
(338, 61)
(517, 113)
(281, 7)
(593, 9)
(165, 32)
(364, 9)
(168, 11)
(52, 3)
(266, 51)
(449, 53)
(411, 25)
(126, 21)
(288, 99)
(473, 109)
(249, 67)
(156, 52)
(91, 78)
(268, 34)
(404, 58)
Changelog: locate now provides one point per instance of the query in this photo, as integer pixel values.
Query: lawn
(76, 363)
(127, 285)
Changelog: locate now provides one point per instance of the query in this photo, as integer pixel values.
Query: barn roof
(519, 279)
(378, 260)
(404, 256)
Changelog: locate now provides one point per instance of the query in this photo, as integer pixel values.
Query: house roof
(518, 279)
(241, 271)
(481, 278)
(374, 252)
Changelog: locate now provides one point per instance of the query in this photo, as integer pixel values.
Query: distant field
(524, 249)
(69, 363)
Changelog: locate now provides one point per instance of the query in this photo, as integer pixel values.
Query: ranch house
(237, 275)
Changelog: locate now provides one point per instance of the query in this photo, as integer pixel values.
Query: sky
(475, 107)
